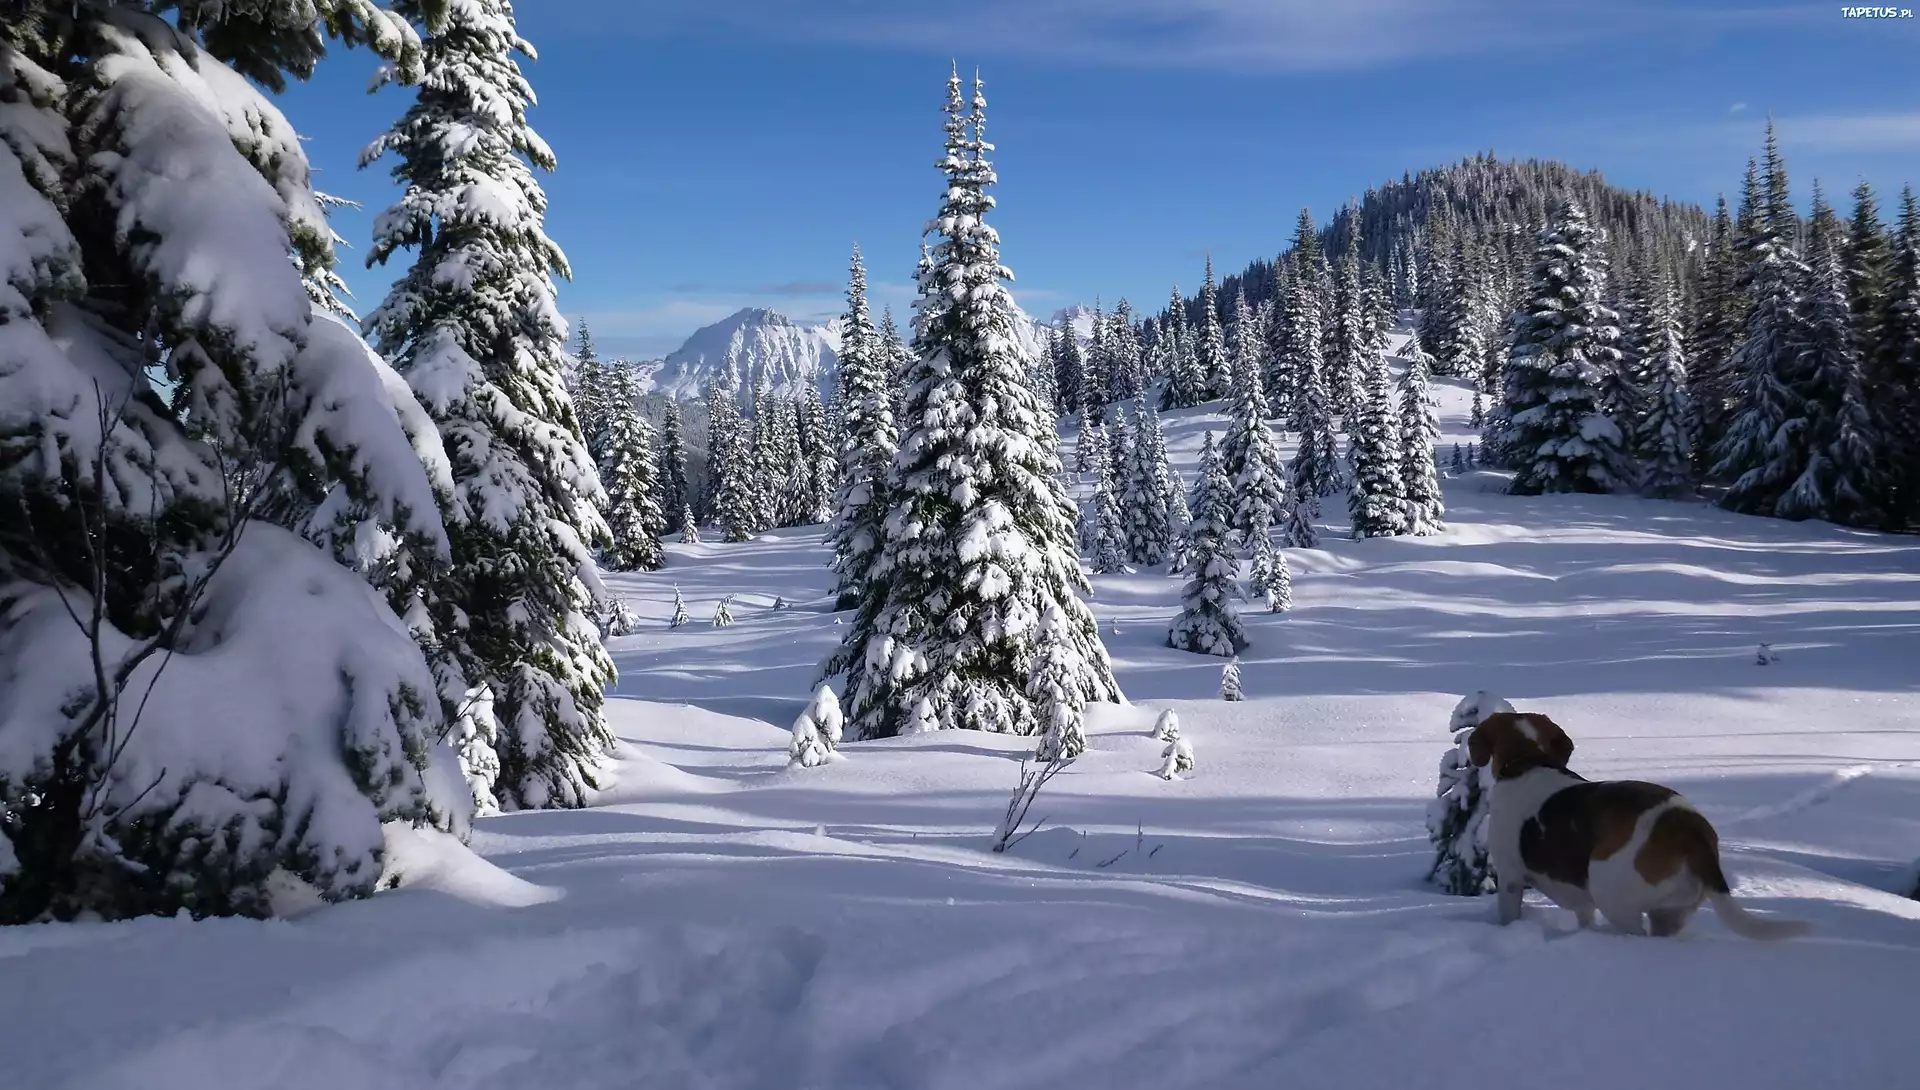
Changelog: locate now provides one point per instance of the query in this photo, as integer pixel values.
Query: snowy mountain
(1078, 317)
(758, 340)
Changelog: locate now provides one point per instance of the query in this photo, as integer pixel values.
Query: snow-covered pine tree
(1556, 437)
(1280, 585)
(1230, 681)
(590, 391)
(1124, 373)
(1247, 350)
(1349, 346)
(1419, 435)
(765, 473)
(1176, 758)
(672, 464)
(1894, 373)
(1208, 622)
(1377, 500)
(1763, 371)
(634, 519)
(723, 613)
(1297, 363)
(816, 733)
(1090, 449)
(1109, 534)
(1664, 439)
(484, 353)
(1121, 440)
(1188, 385)
(980, 535)
(1070, 368)
(1838, 444)
(1210, 349)
(1149, 483)
(1457, 464)
(1094, 364)
(1251, 459)
(689, 527)
(297, 433)
(1054, 690)
(1297, 530)
(819, 458)
(730, 465)
(679, 609)
(1178, 519)
(868, 442)
(1457, 817)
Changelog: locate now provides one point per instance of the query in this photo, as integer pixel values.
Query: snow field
(721, 920)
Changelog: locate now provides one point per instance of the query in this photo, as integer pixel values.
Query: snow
(720, 921)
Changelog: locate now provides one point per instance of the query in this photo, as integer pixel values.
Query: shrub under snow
(816, 733)
(1457, 818)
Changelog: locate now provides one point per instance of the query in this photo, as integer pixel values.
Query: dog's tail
(1703, 858)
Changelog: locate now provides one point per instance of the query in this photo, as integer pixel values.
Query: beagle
(1637, 852)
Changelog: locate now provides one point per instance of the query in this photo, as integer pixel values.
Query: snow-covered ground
(721, 921)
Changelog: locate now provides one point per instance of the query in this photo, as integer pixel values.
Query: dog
(1639, 853)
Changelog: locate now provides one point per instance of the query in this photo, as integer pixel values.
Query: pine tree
(1209, 623)
(1149, 485)
(679, 609)
(1249, 456)
(1555, 435)
(1419, 436)
(1377, 500)
(868, 443)
(730, 464)
(1179, 518)
(1867, 259)
(1764, 367)
(1070, 368)
(1230, 681)
(689, 527)
(634, 519)
(1210, 349)
(1893, 379)
(816, 732)
(1054, 690)
(1280, 585)
(1348, 345)
(1090, 451)
(819, 458)
(1457, 464)
(1248, 351)
(1664, 439)
(591, 392)
(723, 613)
(764, 471)
(672, 462)
(1188, 386)
(1838, 443)
(980, 532)
(1457, 817)
(1110, 535)
(1297, 362)
(1711, 344)
(484, 354)
(1124, 374)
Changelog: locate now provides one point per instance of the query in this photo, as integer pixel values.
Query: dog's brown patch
(1681, 838)
(1516, 742)
(1584, 822)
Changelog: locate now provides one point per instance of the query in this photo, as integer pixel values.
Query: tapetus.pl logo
(1876, 13)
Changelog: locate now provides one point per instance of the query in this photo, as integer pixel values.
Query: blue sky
(715, 154)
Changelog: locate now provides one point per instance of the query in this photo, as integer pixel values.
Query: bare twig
(1031, 781)
(1115, 859)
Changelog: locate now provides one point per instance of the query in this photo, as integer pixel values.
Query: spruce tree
(1248, 350)
(1377, 500)
(730, 464)
(672, 461)
(1053, 688)
(1664, 438)
(1348, 345)
(1419, 436)
(819, 467)
(1069, 369)
(1187, 384)
(1765, 390)
(1094, 364)
(679, 609)
(1149, 485)
(1230, 682)
(1867, 259)
(1711, 344)
(868, 442)
(1837, 444)
(1090, 449)
(484, 353)
(1893, 379)
(1251, 460)
(634, 519)
(1280, 584)
(1208, 622)
(1110, 535)
(591, 392)
(980, 531)
(1556, 436)
(1210, 351)
(1125, 376)
(1298, 361)
(689, 526)
(1179, 518)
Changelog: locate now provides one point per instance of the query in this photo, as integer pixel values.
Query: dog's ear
(1481, 745)
(1555, 744)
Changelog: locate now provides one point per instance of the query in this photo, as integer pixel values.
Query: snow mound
(429, 859)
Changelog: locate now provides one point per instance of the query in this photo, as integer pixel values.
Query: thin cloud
(1234, 35)
(1736, 107)
(1861, 133)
